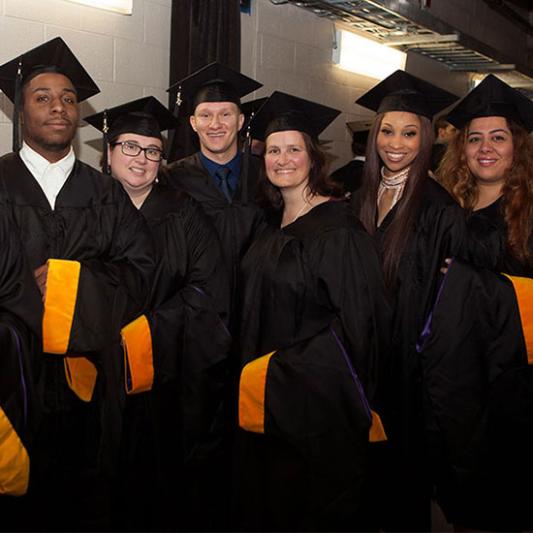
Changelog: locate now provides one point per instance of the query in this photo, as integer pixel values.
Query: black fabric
(144, 116)
(313, 292)
(438, 233)
(404, 92)
(76, 447)
(493, 98)
(174, 434)
(349, 176)
(53, 54)
(479, 402)
(235, 222)
(210, 31)
(437, 153)
(486, 245)
(283, 112)
(20, 331)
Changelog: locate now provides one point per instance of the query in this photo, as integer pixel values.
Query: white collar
(38, 165)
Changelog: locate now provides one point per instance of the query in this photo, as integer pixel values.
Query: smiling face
(287, 161)
(489, 149)
(217, 125)
(49, 115)
(398, 140)
(135, 173)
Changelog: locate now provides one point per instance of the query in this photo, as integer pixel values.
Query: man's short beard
(56, 147)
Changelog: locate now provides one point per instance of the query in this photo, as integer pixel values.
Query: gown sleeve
(187, 337)
(478, 389)
(20, 313)
(88, 301)
(350, 280)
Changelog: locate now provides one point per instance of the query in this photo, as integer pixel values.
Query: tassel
(105, 129)
(16, 110)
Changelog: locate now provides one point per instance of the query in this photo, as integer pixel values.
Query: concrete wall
(128, 56)
(290, 49)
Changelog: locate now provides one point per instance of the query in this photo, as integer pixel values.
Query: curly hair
(397, 234)
(269, 196)
(517, 192)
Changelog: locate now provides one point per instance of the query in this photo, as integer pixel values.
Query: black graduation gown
(479, 384)
(97, 281)
(313, 293)
(486, 245)
(437, 233)
(175, 431)
(479, 407)
(349, 176)
(20, 329)
(236, 223)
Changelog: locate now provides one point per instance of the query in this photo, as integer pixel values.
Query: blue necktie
(222, 174)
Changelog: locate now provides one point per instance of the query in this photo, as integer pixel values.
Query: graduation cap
(283, 112)
(52, 56)
(404, 92)
(493, 98)
(249, 110)
(213, 83)
(145, 116)
(360, 130)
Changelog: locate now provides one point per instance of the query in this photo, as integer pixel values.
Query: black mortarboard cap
(404, 92)
(52, 56)
(213, 83)
(144, 116)
(249, 110)
(360, 130)
(493, 98)
(282, 112)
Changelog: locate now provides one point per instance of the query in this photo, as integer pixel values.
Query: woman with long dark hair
(416, 225)
(313, 330)
(176, 354)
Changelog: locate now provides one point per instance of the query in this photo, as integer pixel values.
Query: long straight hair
(397, 234)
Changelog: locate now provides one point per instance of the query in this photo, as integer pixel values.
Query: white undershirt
(50, 176)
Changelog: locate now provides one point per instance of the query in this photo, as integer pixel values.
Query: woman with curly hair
(488, 168)
(313, 329)
(482, 327)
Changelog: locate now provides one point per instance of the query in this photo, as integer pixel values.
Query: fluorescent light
(366, 57)
(119, 6)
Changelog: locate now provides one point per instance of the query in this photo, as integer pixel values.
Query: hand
(41, 275)
(447, 263)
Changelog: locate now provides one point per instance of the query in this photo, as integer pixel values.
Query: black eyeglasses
(132, 149)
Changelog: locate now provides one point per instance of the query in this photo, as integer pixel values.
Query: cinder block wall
(290, 49)
(128, 56)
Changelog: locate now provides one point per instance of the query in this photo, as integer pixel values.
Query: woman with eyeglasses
(176, 353)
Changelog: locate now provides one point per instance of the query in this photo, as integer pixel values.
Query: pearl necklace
(396, 182)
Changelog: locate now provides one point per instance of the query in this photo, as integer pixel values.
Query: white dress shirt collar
(50, 176)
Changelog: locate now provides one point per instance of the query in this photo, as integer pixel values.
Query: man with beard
(91, 255)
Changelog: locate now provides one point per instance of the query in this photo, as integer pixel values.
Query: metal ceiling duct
(408, 27)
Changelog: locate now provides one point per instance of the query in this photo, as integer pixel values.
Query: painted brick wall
(128, 56)
(290, 49)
